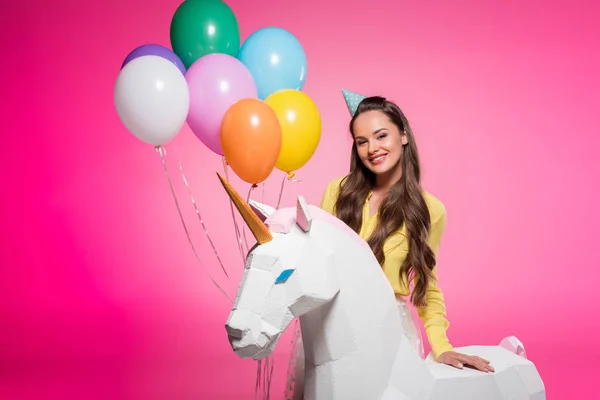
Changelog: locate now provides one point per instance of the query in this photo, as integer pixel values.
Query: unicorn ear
(303, 218)
(263, 211)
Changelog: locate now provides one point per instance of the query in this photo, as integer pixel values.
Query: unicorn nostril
(234, 333)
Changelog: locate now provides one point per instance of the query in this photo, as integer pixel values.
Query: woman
(382, 200)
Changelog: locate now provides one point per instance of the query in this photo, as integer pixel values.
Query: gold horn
(257, 227)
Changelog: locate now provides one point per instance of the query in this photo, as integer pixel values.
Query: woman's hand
(459, 360)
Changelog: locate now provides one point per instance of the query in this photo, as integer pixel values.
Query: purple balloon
(155, 50)
(216, 81)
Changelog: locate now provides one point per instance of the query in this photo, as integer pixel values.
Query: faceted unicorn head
(288, 273)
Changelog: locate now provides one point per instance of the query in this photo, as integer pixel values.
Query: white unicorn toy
(308, 264)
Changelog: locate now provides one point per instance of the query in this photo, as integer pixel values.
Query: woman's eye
(382, 136)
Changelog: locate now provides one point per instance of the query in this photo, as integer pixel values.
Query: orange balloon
(251, 139)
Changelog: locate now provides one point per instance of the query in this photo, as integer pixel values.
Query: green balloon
(201, 27)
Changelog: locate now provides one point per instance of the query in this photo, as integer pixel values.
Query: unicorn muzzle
(235, 335)
(249, 336)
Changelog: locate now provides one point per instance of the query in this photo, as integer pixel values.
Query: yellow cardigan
(396, 249)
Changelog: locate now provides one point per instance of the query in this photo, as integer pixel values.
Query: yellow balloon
(300, 123)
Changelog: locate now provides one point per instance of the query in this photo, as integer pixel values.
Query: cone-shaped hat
(352, 100)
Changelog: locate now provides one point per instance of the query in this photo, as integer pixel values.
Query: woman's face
(379, 142)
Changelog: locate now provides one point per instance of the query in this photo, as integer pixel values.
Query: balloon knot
(291, 175)
(254, 186)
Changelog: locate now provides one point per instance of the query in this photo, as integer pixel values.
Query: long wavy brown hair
(404, 204)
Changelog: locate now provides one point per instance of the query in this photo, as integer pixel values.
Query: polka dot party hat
(352, 100)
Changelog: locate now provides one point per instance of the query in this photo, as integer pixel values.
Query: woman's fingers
(451, 358)
(459, 360)
(477, 363)
(457, 363)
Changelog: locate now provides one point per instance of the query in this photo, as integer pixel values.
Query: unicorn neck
(343, 347)
(356, 337)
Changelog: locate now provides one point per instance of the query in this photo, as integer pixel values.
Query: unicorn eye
(284, 275)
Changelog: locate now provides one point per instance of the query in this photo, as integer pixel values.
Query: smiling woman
(379, 145)
(382, 200)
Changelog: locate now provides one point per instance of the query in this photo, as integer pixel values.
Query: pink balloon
(216, 81)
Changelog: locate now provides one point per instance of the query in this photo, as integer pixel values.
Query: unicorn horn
(257, 227)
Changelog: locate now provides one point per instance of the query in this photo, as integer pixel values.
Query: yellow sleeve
(434, 314)
(330, 196)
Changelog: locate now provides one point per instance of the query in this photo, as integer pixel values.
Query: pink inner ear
(258, 213)
(303, 218)
(281, 221)
(262, 211)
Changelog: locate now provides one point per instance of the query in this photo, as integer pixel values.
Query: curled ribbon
(290, 385)
(238, 235)
(187, 186)
(288, 177)
(252, 187)
(264, 376)
(265, 368)
(161, 151)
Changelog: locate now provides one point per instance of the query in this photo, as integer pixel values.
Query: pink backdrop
(102, 296)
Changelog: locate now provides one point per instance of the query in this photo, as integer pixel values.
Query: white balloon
(152, 99)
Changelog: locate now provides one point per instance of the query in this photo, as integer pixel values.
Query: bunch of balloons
(245, 103)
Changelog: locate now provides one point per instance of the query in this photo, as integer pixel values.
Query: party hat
(352, 100)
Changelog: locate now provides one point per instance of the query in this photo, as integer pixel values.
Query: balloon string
(160, 151)
(264, 368)
(235, 225)
(272, 362)
(248, 202)
(294, 355)
(257, 383)
(264, 378)
(289, 177)
(200, 216)
(281, 191)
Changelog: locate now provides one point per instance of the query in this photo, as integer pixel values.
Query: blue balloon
(275, 59)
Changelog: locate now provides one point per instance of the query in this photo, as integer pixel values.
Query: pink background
(102, 296)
